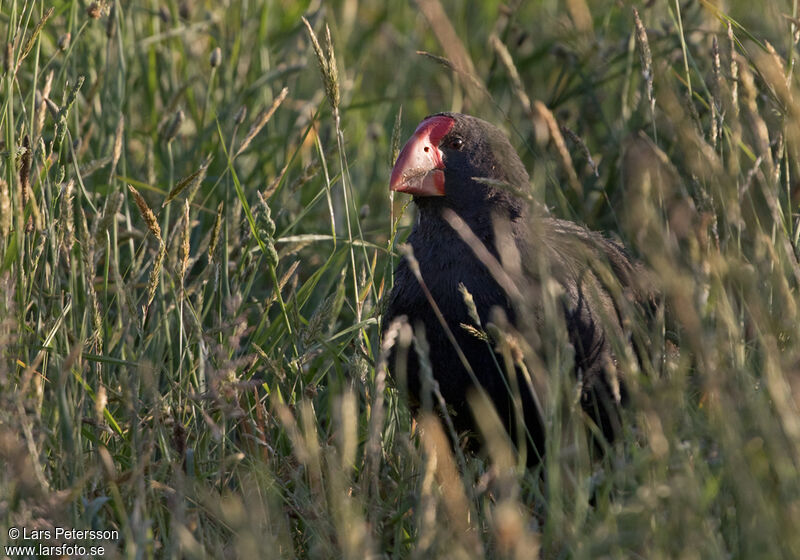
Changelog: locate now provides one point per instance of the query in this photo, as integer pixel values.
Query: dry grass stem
(561, 147)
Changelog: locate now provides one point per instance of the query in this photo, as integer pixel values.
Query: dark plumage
(457, 165)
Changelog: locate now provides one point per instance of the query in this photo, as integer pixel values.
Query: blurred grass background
(192, 260)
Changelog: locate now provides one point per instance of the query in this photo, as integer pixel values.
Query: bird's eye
(456, 143)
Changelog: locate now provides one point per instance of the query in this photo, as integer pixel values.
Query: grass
(192, 262)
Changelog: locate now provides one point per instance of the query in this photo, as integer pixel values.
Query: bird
(477, 237)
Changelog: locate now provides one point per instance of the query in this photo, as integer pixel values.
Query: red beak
(419, 169)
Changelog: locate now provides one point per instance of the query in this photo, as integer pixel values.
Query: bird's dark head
(443, 163)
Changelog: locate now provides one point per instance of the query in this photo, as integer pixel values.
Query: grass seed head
(240, 115)
(270, 253)
(472, 310)
(32, 39)
(89, 261)
(646, 57)
(216, 57)
(42, 105)
(212, 246)
(155, 276)
(191, 182)
(117, 150)
(100, 402)
(64, 41)
(716, 101)
(147, 214)
(51, 107)
(327, 65)
(96, 10)
(184, 256)
(25, 169)
(734, 70)
(174, 127)
(261, 121)
(396, 136)
(332, 88)
(265, 216)
(25, 187)
(73, 94)
(67, 215)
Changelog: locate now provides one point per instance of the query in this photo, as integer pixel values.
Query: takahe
(476, 228)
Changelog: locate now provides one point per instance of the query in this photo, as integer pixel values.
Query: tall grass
(196, 236)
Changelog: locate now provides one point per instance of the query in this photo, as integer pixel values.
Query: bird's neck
(480, 218)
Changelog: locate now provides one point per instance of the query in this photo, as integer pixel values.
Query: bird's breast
(446, 266)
